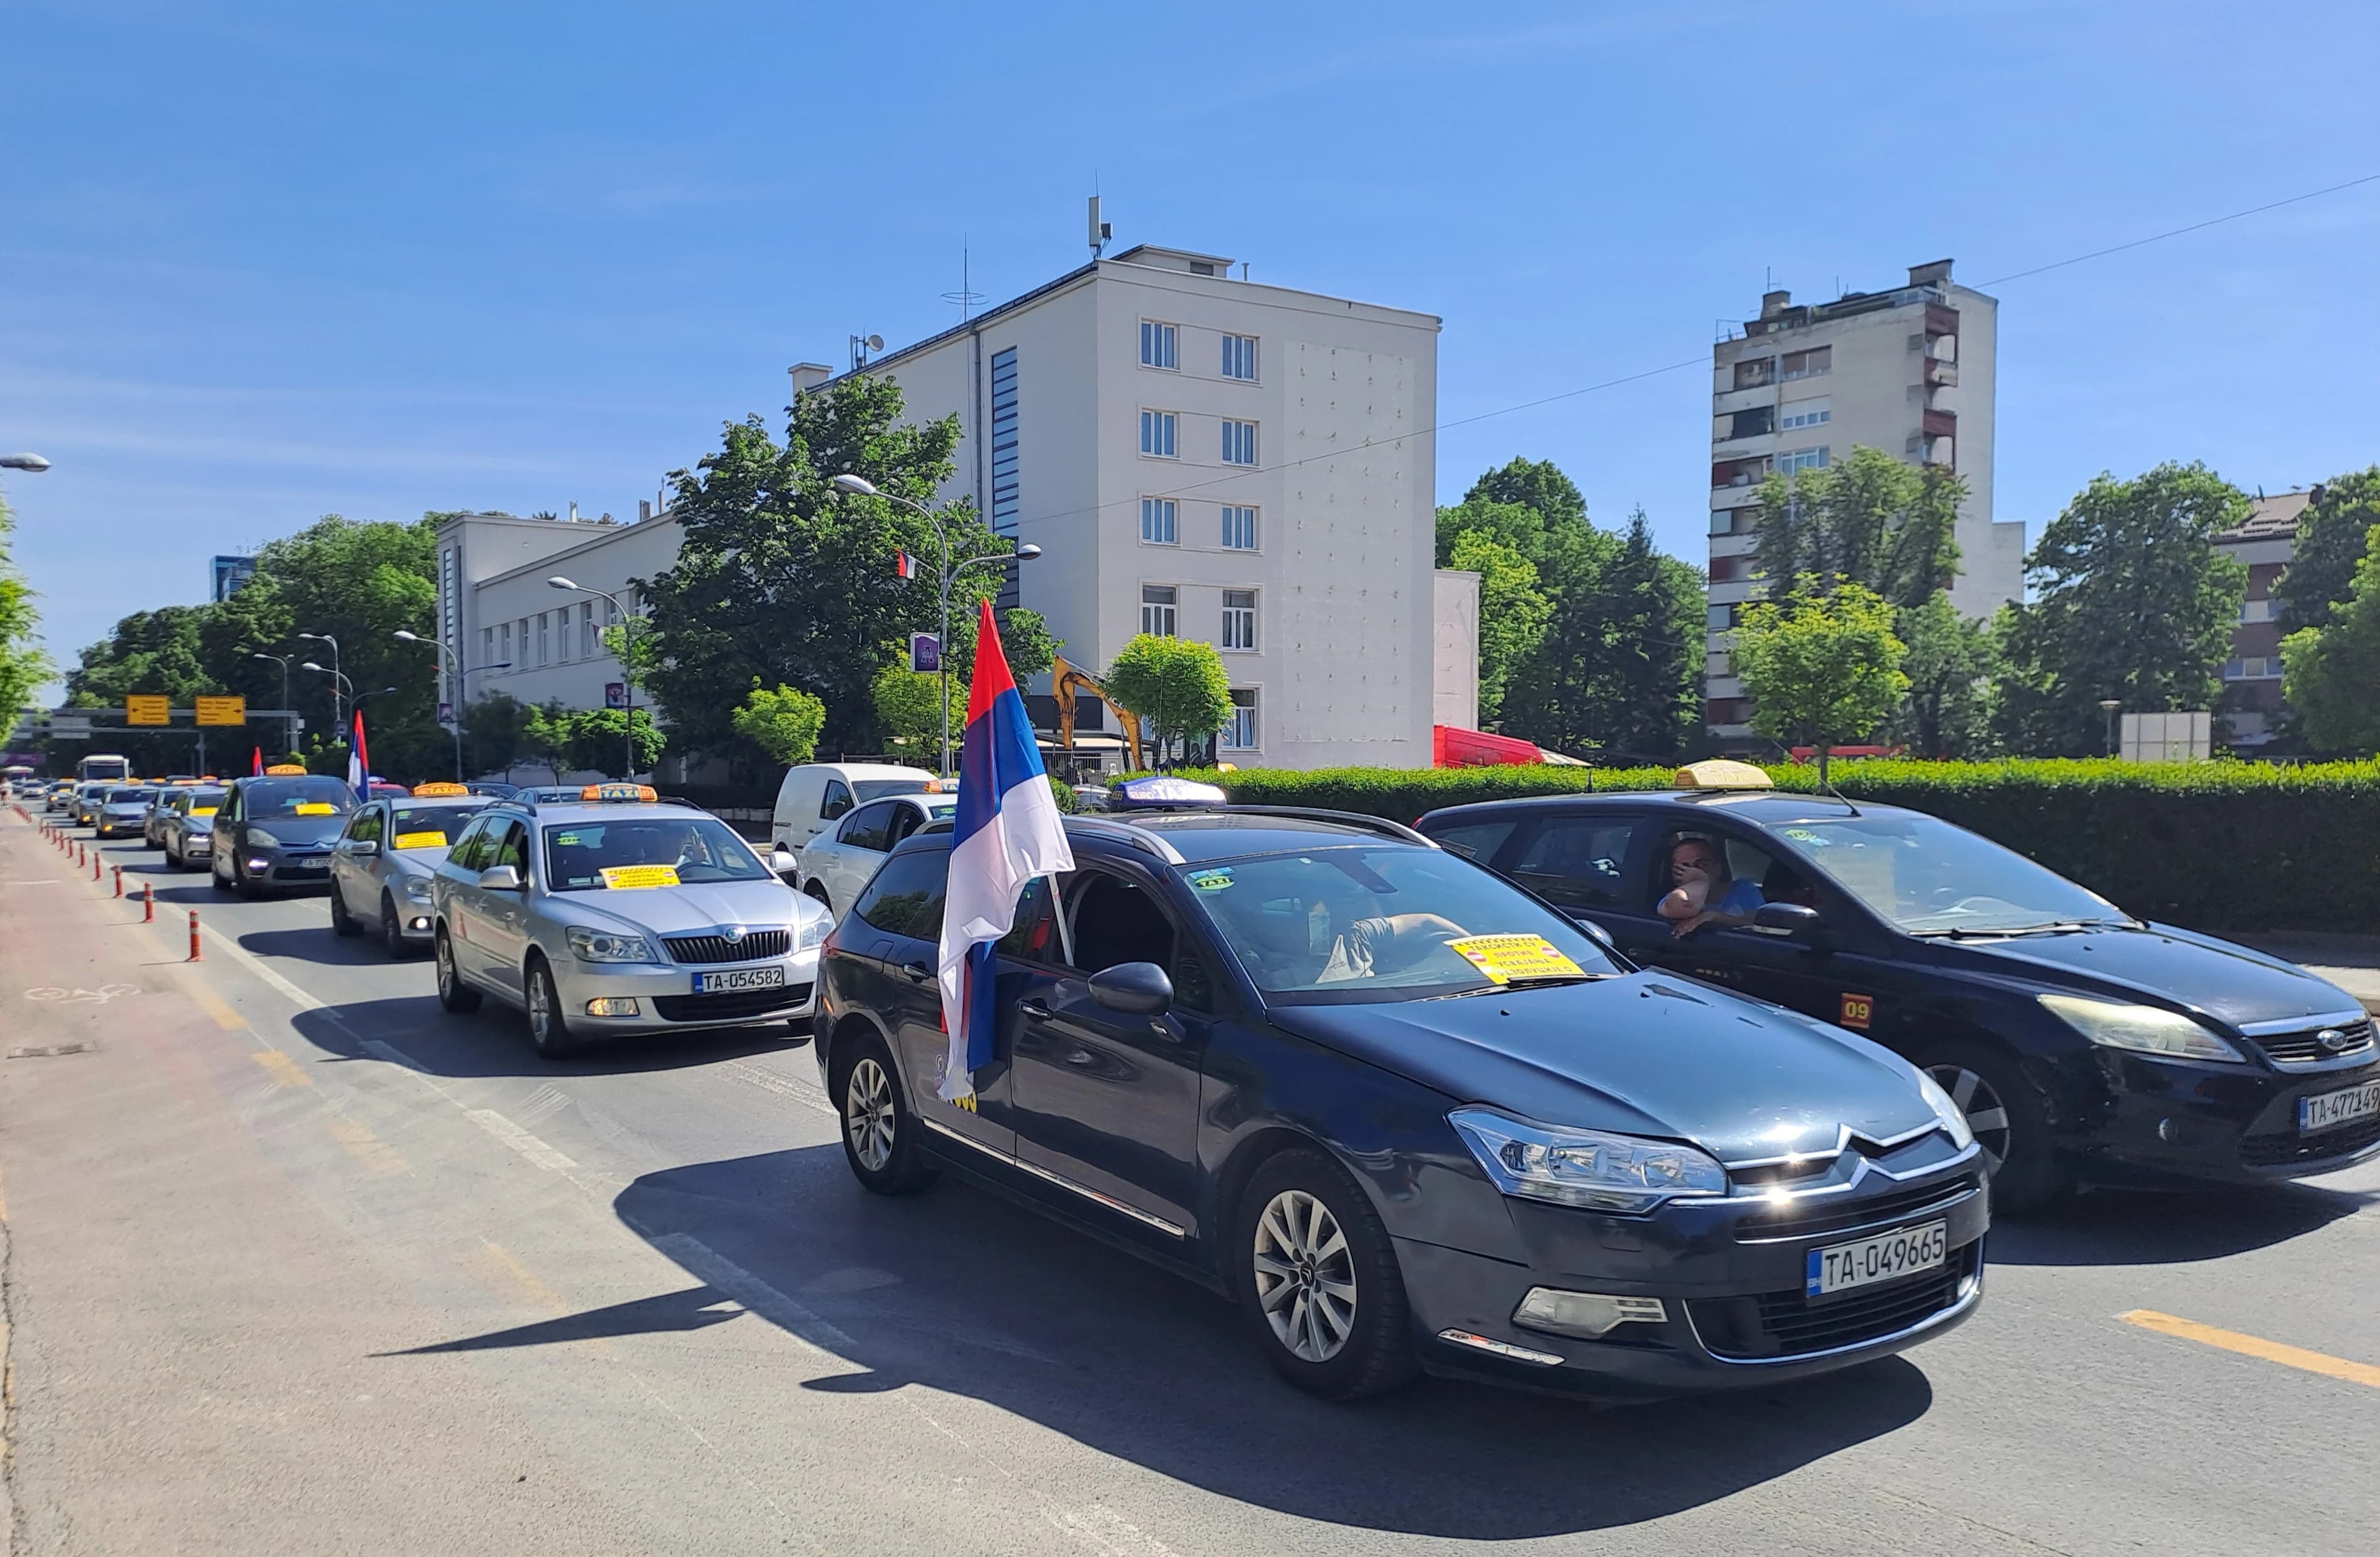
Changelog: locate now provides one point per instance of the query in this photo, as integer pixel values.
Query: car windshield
(587, 856)
(313, 795)
(1352, 925)
(1929, 878)
(205, 802)
(127, 796)
(431, 827)
(876, 789)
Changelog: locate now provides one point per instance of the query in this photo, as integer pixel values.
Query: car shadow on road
(494, 1040)
(322, 943)
(960, 1291)
(2169, 1227)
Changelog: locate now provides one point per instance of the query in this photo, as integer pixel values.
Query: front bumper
(2160, 1120)
(285, 871)
(1731, 1277)
(666, 1000)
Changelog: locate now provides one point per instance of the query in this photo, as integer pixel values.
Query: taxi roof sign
(1719, 772)
(281, 768)
(441, 786)
(620, 793)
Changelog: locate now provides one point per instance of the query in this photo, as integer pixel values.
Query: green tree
(2331, 673)
(1512, 612)
(2133, 601)
(784, 723)
(1535, 484)
(1177, 686)
(1653, 630)
(1949, 664)
(780, 578)
(909, 711)
(495, 732)
(23, 665)
(2331, 542)
(1514, 525)
(159, 651)
(1024, 638)
(596, 740)
(1822, 667)
(1872, 520)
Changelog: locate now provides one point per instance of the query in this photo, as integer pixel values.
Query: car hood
(300, 829)
(2163, 965)
(683, 910)
(1645, 1054)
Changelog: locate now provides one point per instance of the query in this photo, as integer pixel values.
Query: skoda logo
(733, 932)
(2331, 1039)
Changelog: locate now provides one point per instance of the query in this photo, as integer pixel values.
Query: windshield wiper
(1548, 980)
(2049, 926)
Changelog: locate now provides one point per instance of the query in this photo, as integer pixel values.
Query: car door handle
(918, 972)
(1035, 1009)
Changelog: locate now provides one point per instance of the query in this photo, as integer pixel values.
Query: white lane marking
(716, 1269)
(520, 1140)
(287, 990)
(784, 1085)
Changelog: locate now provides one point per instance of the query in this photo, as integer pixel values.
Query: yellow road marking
(215, 1006)
(282, 1068)
(2254, 1346)
(379, 1158)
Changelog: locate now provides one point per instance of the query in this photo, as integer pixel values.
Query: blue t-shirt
(1742, 897)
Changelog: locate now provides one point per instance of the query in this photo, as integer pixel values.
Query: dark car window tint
(870, 827)
(472, 848)
(1475, 840)
(1576, 860)
(1115, 921)
(513, 850)
(837, 800)
(1033, 934)
(365, 829)
(906, 898)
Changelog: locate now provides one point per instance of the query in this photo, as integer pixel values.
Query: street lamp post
(460, 672)
(338, 683)
(283, 660)
(2109, 707)
(29, 462)
(627, 678)
(338, 710)
(861, 486)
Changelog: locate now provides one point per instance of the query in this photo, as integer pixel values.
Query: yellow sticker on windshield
(204, 811)
(1506, 958)
(315, 807)
(433, 839)
(618, 876)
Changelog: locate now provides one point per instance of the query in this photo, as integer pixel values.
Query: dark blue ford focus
(1408, 1116)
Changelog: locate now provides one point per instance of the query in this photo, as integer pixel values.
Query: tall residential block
(1909, 372)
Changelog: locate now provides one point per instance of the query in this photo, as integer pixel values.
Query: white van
(815, 794)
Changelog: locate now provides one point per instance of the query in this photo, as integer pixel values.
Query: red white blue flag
(1007, 832)
(257, 770)
(359, 762)
(903, 565)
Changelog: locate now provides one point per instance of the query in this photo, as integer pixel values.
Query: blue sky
(262, 261)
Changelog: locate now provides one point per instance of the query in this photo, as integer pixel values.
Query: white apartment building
(1908, 371)
(1221, 460)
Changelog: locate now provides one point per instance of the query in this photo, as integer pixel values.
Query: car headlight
(605, 945)
(2144, 1029)
(811, 932)
(1591, 1168)
(417, 888)
(1953, 1117)
(259, 835)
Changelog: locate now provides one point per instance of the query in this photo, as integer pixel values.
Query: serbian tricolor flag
(257, 769)
(358, 761)
(1008, 830)
(903, 565)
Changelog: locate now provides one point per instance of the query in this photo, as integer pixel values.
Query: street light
(287, 712)
(338, 715)
(2109, 707)
(627, 681)
(338, 682)
(23, 462)
(461, 690)
(861, 486)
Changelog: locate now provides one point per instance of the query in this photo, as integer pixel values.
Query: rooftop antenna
(1100, 231)
(965, 297)
(860, 346)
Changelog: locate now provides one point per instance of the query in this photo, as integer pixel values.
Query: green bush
(2212, 846)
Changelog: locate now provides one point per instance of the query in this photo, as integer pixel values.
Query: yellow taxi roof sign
(279, 768)
(1719, 772)
(618, 793)
(440, 786)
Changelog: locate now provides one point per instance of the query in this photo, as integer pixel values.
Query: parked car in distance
(188, 835)
(1405, 1114)
(2084, 1044)
(276, 831)
(815, 796)
(836, 864)
(383, 864)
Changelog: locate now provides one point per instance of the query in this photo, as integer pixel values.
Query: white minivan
(816, 795)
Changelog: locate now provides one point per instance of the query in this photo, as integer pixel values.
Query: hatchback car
(382, 864)
(276, 831)
(609, 914)
(121, 811)
(88, 797)
(834, 865)
(2082, 1043)
(188, 832)
(1407, 1115)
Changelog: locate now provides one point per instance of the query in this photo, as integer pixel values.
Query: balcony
(1941, 320)
(1940, 374)
(1738, 472)
(1939, 424)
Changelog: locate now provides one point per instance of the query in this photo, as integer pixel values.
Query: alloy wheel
(1305, 1280)
(1987, 1113)
(867, 1117)
(541, 1014)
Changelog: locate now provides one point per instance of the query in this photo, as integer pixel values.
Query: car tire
(2010, 1117)
(813, 890)
(879, 1134)
(1316, 1275)
(548, 1027)
(392, 928)
(342, 922)
(452, 994)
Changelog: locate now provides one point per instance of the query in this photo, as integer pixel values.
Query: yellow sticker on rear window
(618, 876)
(1507, 957)
(431, 840)
(315, 807)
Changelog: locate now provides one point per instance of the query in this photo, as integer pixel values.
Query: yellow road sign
(223, 710)
(141, 708)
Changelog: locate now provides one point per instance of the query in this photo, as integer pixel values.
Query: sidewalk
(2352, 962)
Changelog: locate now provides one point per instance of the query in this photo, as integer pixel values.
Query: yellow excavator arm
(1068, 680)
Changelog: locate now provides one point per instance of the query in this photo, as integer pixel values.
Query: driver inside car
(1701, 892)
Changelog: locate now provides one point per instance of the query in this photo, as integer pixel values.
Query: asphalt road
(297, 1263)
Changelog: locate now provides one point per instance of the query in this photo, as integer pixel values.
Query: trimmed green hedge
(2212, 846)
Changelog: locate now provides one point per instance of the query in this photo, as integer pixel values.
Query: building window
(1720, 618)
(1004, 441)
(1753, 372)
(1809, 364)
(505, 646)
(1157, 344)
(1805, 413)
(487, 646)
(2255, 611)
(1239, 733)
(1717, 662)
(1157, 429)
(1793, 461)
(1239, 619)
(1240, 358)
(1239, 529)
(1239, 442)
(1156, 609)
(587, 630)
(544, 641)
(1157, 521)
(1757, 422)
(2256, 667)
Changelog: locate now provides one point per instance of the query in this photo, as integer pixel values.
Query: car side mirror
(364, 845)
(783, 863)
(500, 878)
(1579, 918)
(1140, 989)
(1790, 919)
